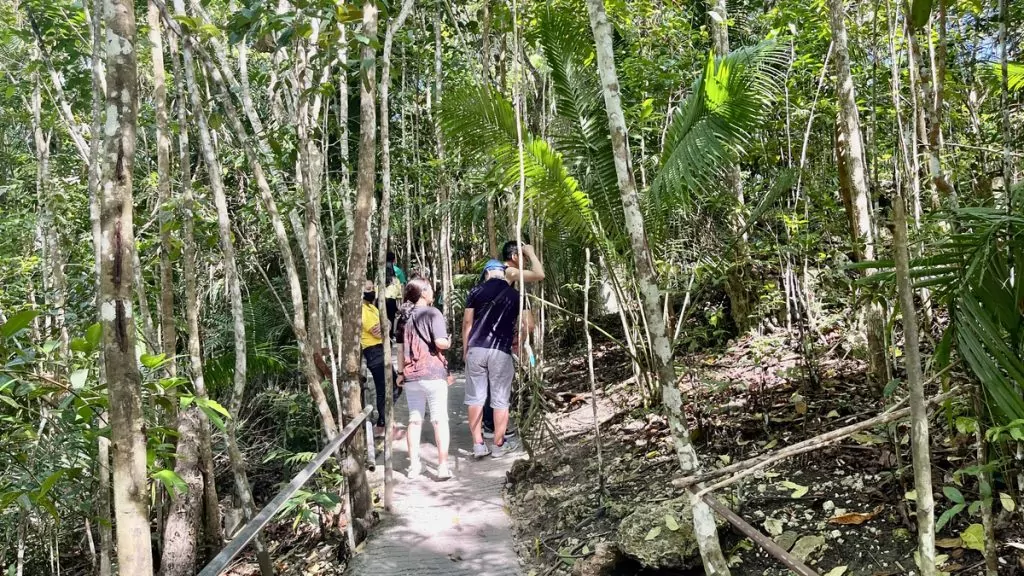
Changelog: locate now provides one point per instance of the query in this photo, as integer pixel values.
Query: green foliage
(727, 104)
(1014, 74)
(481, 123)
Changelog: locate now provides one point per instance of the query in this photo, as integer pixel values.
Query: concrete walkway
(457, 527)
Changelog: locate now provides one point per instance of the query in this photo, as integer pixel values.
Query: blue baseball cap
(494, 265)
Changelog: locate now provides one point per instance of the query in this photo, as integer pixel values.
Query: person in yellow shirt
(372, 341)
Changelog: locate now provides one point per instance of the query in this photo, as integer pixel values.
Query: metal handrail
(258, 522)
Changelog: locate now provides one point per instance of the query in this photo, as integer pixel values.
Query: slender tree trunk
(149, 335)
(384, 228)
(213, 169)
(56, 294)
(343, 113)
(168, 335)
(99, 85)
(103, 502)
(705, 528)
(307, 350)
(1004, 102)
(740, 297)
(213, 533)
(355, 473)
(181, 529)
(443, 188)
(309, 176)
(920, 443)
(593, 380)
(854, 186)
(117, 254)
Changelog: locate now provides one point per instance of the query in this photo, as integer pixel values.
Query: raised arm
(535, 271)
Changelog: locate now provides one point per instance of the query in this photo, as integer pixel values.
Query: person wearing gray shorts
(488, 331)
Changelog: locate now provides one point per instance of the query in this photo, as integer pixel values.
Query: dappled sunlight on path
(459, 526)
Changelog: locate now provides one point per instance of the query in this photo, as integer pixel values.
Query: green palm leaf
(580, 128)
(1014, 74)
(728, 103)
(481, 124)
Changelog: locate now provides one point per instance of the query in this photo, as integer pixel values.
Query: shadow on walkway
(458, 526)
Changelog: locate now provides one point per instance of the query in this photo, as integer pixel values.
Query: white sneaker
(480, 450)
(414, 471)
(510, 445)
(443, 473)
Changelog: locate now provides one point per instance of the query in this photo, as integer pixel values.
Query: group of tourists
(490, 335)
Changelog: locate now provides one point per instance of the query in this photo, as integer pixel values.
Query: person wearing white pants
(423, 336)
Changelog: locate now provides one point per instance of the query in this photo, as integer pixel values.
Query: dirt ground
(845, 508)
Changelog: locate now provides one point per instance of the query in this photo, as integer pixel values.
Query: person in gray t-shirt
(424, 371)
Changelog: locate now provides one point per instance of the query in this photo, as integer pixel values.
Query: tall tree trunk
(181, 528)
(647, 279)
(306, 349)
(854, 186)
(343, 114)
(740, 297)
(355, 473)
(213, 169)
(213, 533)
(920, 443)
(53, 258)
(168, 334)
(309, 177)
(117, 254)
(443, 188)
(99, 85)
(1004, 102)
(385, 227)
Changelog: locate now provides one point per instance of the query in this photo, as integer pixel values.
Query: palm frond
(580, 127)
(970, 271)
(261, 360)
(1014, 74)
(481, 124)
(728, 103)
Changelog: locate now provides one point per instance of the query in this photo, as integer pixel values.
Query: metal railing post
(258, 522)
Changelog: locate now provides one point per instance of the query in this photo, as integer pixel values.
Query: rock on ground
(648, 535)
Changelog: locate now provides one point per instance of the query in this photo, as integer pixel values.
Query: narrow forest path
(455, 527)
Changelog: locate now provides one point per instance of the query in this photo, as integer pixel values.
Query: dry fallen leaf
(855, 518)
(949, 543)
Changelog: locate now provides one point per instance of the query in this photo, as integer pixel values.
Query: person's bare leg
(413, 437)
(476, 422)
(500, 424)
(442, 436)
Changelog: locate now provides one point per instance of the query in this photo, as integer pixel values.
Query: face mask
(370, 296)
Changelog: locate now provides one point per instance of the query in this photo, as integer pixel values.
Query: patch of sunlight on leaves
(1007, 501)
(974, 537)
(798, 490)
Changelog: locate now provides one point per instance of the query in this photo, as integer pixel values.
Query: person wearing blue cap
(488, 330)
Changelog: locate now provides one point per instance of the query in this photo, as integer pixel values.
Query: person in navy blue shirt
(490, 336)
